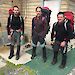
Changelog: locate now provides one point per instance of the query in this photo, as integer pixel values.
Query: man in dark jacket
(15, 29)
(39, 30)
(62, 33)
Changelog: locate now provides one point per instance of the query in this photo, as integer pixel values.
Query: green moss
(18, 69)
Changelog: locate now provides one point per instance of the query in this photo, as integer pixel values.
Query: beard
(38, 15)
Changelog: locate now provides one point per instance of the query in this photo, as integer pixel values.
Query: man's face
(38, 12)
(16, 11)
(60, 18)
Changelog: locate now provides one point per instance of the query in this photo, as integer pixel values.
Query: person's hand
(9, 37)
(11, 30)
(19, 30)
(52, 42)
(22, 37)
(62, 44)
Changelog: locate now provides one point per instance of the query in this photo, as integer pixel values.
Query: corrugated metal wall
(4, 7)
(67, 5)
(64, 5)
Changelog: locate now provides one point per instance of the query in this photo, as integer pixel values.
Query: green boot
(18, 52)
(44, 54)
(33, 52)
(11, 52)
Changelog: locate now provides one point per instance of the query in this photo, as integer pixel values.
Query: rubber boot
(54, 61)
(44, 54)
(18, 52)
(11, 52)
(63, 62)
(33, 52)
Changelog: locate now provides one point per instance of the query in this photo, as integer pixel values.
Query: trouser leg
(42, 45)
(17, 36)
(55, 52)
(63, 62)
(44, 54)
(34, 45)
(54, 61)
(18, 52)
(64, 58)
(11, 51)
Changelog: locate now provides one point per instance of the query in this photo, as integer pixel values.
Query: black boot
(33, 52)
(18, 52)
(54, 61)
(44, 54)
(63, 62)
(11, 52)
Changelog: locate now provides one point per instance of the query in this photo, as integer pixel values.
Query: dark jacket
(39, 26)
(15, 23)
(61, 32)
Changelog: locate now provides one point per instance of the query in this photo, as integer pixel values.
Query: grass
(11, 69)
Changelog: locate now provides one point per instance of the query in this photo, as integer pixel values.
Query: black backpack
(46, 12)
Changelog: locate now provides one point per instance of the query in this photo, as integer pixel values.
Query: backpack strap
(55, 23)
(11, 18)
(43, 18)
(65, 24)
(20, 18)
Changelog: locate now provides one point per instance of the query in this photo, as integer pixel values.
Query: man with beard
(39, 30)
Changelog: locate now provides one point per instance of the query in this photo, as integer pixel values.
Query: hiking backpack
(70, 16)
(10, 11)
(46, 12)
